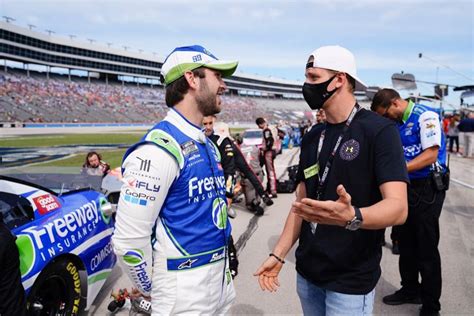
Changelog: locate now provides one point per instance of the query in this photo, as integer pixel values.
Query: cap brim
(225, 67)
(360, 85)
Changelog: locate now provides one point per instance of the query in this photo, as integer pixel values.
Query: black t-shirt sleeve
(390, 164)
(227, 155)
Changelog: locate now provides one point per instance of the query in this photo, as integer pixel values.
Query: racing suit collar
(407, 112)
(188, 128)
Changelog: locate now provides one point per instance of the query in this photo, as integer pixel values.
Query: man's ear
(341, 78)
(191, 79)
(397, 103)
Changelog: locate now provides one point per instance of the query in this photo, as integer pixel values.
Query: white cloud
(272, 34)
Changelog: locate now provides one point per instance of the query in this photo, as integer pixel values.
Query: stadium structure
(52, 79)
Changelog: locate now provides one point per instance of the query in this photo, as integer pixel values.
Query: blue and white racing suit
(172, 227)
(421, 129)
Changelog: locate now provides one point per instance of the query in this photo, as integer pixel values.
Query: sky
(273, 38)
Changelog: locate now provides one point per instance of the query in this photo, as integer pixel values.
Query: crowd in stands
(38, 99)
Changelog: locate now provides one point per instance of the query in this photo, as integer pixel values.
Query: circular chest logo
(219, 213)
(133, 257)
(349, 150)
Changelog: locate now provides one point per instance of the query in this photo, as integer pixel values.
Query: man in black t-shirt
(352, 184)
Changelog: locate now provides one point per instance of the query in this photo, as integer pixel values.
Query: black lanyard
(323, 178)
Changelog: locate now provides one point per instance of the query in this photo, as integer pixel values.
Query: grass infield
(113, 157)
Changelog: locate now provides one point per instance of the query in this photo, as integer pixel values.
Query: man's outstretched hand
(268, 274)
(327, 212)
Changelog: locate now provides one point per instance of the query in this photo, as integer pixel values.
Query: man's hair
(260, 120)
(176, 90)
(384, 98)
(350, 80)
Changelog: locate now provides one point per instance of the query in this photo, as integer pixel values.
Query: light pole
(8, 19)
(421, 55)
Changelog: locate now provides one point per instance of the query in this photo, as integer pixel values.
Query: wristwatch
(356, 222)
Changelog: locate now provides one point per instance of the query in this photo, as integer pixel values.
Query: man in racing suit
(424, 146)
(172, 228)
(268, 155)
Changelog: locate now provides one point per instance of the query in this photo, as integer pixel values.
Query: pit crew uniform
(269, 156)
(172, 214)
(226, 150)
(419, 236)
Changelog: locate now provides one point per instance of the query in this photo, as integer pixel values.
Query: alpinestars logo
(145, 164)
(187, 264)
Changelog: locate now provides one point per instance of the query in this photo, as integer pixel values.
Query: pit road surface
(256, 236)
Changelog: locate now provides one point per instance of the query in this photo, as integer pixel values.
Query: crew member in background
(172, 229)
(222, 140)
(268, 156)
(224, 144)
(425, 153)
(250, 174)
(466, 127)
(232, 160)
(94, 165)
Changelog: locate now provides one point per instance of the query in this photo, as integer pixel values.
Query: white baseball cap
(188, 58)
(336, 58)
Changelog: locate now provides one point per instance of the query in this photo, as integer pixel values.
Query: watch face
(355, 224)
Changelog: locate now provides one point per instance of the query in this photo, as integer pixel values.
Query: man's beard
(207, 101)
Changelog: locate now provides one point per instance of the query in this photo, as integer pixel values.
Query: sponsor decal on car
(101, 256)
(62, 233)
(46, 203)
(27, 253)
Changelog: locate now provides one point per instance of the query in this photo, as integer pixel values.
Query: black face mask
(316, 94)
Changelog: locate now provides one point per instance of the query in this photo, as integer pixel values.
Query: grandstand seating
(38, 99)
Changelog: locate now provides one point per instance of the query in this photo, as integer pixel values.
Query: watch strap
(358, 213)
(357, 218)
